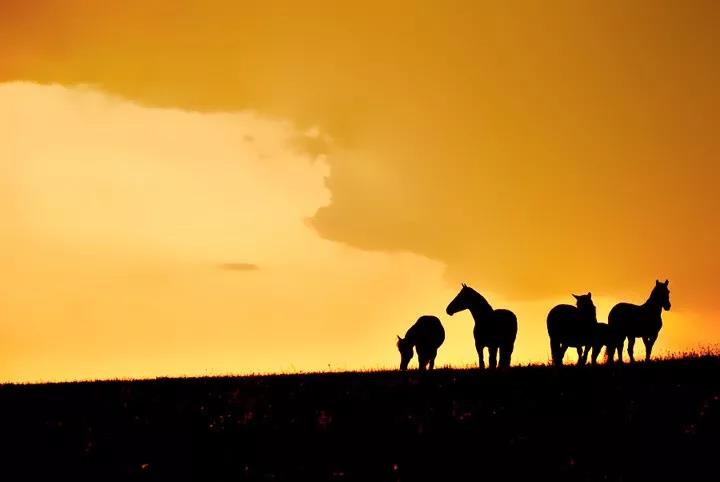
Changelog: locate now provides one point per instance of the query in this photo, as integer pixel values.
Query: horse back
(427, 331)
(626, 319)
(559, 316)
(621, 313)
(506, 325)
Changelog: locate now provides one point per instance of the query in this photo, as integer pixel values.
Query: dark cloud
(239, 267)
(534, 151)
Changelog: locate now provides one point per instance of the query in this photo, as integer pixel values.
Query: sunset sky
(192, 188)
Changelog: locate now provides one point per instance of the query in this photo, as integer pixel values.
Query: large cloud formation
(533, 150)
(118, 216)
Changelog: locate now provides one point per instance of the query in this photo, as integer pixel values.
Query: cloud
(522, 161)
(115, 209)
(239, 267)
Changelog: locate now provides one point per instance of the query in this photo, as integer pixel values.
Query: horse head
(406, 352)
(661, 293)
(460, 302)
(586, 306)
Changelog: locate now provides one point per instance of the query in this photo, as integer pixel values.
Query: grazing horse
(494, 329)
(632, 321)
(572, 326)
(426, 335)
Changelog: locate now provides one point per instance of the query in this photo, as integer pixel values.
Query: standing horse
(572, 326)
(494, 329)
(426, 335)
(644, 321)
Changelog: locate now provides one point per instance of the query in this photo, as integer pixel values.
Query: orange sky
(192, 188)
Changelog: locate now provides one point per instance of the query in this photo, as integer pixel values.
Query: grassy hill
(656, 421)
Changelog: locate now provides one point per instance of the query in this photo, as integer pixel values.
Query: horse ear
(463, 285)
(667, 282)
(589, 294)
(399, 339)
(577, 297)
(657, 282)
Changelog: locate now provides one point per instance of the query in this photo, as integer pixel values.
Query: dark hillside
(658, 421)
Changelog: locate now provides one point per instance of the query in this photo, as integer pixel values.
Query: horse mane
(480, 300)
(654, 294)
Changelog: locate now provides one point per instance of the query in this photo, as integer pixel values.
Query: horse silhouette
(494, 329)
(601, 337)
(426, 336)
(572, 326)
(644, 321)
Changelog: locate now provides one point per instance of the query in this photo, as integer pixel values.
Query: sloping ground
(657, 421)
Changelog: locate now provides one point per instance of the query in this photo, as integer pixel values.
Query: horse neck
(411, 336)
(480, 308)
(587, 314)
(653, 305)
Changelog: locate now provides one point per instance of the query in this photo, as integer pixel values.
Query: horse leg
(586, 353)
(620, 348)
(423, 363)
(555, 351)
(595, 352)
(649, 342)
(505, 354)
(493, 350)
(480, 356)
(432, 363)
(563, 349)
(585, 350)
(631, 348)
(610, 352)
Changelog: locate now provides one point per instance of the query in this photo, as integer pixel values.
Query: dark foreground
(659, 421)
